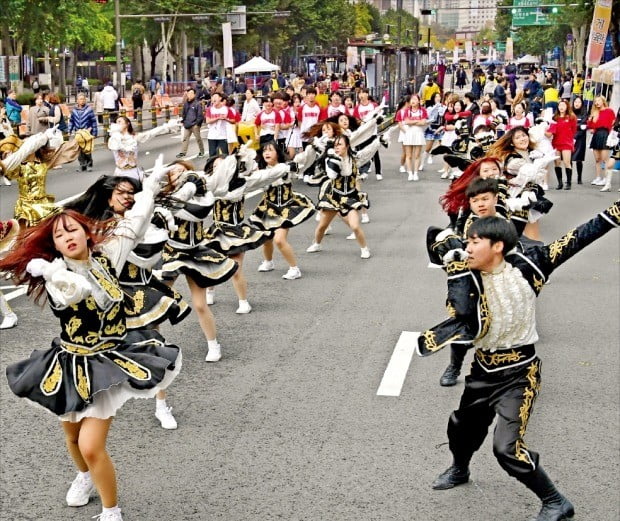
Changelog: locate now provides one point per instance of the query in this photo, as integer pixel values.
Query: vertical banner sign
(14, 71)
(3, 72)
(509, 55)
(228, 49)
(469, 52)
(598, 32)
(455, 54)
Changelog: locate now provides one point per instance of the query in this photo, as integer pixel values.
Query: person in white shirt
(217, 119)
(109, 100)
(250, 107)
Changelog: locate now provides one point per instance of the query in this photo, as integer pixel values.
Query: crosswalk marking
(17, 293)
(396, 371)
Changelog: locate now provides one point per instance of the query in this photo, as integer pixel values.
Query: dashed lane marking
(396, 371)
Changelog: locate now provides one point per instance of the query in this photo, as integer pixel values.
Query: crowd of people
(107, 261)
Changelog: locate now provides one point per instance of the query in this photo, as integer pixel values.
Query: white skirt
(294, 140)
(448, 138)
(414, 135)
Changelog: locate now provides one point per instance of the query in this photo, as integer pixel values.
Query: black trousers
(86, 160)
(508, 394)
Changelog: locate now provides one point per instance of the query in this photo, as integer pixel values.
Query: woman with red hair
(96, 364)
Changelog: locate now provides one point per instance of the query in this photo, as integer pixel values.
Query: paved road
(288, 425)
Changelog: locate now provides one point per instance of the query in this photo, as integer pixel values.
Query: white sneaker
(109, 516)
(442, 171)
(544, 186)
(292, 274)
(329, 230)
(421, 166)
(402, 169)
(314, 247)
(80, 491)
(244, 308)
(210, 297)
(596, 181)
(601, 182)
(365, 253)
(164, 415)
(9, 321)
(364, 176)
(379, 177)
(444, 175)
(6, 181)
(266, 265)
(430, 160)
(214, 354)
(365, 218)
(415, 176)
(351, 236)
(410, 176)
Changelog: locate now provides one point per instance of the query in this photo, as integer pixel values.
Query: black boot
(579, 171)
(555, 507)
(558, 174)
(453, 476)
(449, 376)
(569, 178)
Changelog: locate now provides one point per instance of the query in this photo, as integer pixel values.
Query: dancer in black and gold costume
(148, 301)
(280, 209)
(492, 290)
(96, 364)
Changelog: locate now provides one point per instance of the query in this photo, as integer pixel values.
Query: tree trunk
(580, 41)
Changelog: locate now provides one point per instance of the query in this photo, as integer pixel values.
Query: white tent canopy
(609, 74)
(256, 64)
(528, 58)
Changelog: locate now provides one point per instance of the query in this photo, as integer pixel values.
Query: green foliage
(408, 24)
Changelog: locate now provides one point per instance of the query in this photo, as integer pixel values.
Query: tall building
(410, 6)
(463, 14)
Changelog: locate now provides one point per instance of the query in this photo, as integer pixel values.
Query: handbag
(612, 139)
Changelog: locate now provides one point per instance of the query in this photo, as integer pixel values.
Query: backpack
(137, 93)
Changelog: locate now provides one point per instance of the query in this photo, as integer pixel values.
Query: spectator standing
(267, 123)
(600, 123)
(429, 90)
(85, 86)
(579, 153)
(35, 85)
(192, 118)
(217, 119)
(250, 107)
(56, 116)
(38, 116)
(98, 104)
(577, 86)
(137, 97)
(564, 129)
(13, 109)
(109, 101)
(83, 119)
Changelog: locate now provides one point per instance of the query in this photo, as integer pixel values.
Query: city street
(289, 426)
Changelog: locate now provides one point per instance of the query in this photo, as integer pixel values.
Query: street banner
(598, 32)
(3, 72)
(509, 54)
(228, 49)
(469, 53)
(455, 54)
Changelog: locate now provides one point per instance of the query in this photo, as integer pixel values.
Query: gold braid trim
(529, 395)
(82, 385)
(456, 267)
(556, 247)
(51, 383)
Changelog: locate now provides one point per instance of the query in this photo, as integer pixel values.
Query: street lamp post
(297, 47)
(117, 27)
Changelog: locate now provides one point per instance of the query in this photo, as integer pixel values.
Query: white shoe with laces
(365, 218)
(314, 248)
(351, 236)
(164, 415)
(266, 265)
(365, 253)
(80, 491)
(210, 297)
(114, 515)
(9, 321)
(244, 308)
(214, 354)
(292, 273)
(430, 160)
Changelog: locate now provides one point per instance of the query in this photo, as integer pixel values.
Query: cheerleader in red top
(267, 123)
(401, 112)
(564, 129)
(600, 122)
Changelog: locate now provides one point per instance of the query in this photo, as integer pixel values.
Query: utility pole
(399, 8)
(117, 26)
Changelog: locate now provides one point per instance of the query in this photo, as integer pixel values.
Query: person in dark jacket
(83, 118)
(192, 118)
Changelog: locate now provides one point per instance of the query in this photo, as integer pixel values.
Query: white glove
(455, 255)
(583, 127)
(54, 137)
(332, 153)
(68, 288)
(186, 192)
(168, 217)
(153, 183)
(535, 154)
(42, 268)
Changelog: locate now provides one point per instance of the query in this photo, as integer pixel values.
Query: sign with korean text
(527, 12)
(598, 32)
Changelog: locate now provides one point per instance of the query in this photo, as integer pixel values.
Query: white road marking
(396, 371)
(17, 293)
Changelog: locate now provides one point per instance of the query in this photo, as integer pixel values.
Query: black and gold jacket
(467, 306)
